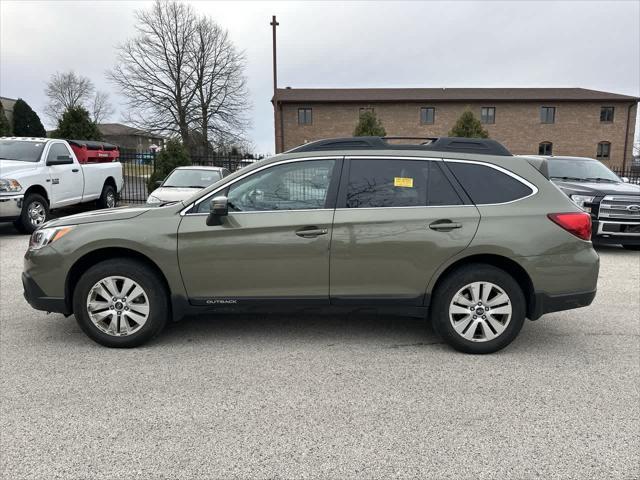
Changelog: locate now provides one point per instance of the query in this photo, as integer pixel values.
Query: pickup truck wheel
(121, 303)
(35, 212)
(108, 197)
(631, 247)
(478, 309)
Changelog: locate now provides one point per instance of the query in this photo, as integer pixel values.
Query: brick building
(558, 121)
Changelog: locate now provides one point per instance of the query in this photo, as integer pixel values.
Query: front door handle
(444, 225)
(311, 232)
(75, 170)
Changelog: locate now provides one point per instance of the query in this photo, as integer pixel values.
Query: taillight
(577, 223)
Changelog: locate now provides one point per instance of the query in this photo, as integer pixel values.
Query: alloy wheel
(480, 311)
(37, 213)
(111, 200)
(118, 306)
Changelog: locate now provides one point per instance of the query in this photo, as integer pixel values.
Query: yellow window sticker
(403, 182)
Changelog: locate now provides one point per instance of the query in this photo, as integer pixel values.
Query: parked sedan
(183, 182)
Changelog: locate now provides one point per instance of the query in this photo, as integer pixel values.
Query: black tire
(26, 220)
(141, 274)
(631, 247)
(108, 197)
(18, 225)
(457, 280)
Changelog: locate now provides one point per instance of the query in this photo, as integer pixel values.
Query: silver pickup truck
(38, 175)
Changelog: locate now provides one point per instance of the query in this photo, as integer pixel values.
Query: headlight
(9, 185)
(580, 200)
(153, 199)
(45, 236)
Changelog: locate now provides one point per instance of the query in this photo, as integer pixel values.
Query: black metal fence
(633, 174)
(137, 168)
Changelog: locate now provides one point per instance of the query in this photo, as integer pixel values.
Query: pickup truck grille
(621, 207)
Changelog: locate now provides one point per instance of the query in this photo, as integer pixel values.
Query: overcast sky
(340, 44)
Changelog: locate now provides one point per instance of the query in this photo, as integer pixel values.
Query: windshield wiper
(569, 178)
(600, 179)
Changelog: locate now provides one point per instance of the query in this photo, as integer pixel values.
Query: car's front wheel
(35, 212)
(478, 309)
(121, 303)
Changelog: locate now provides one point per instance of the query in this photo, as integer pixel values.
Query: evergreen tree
(5, 125)
(76, 124)
(26, 122)
(369, 125)
(172, 155)
(468, 126)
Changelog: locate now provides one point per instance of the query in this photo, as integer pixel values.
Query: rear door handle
(444, 225)
(311, 232)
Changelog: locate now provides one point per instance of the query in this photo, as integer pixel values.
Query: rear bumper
(10, 207)
(34, 295)
(545, 303)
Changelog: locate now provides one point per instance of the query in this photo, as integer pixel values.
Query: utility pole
(274, 24)
(277, 106)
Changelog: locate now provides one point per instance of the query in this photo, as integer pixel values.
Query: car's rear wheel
(478, 309)
(108, 197)
(121, 303)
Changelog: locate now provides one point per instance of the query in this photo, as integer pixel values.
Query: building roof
(108, 129)
(340, 95)
(8, 103)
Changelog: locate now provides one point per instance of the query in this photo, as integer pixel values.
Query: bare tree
(66, 90)
(102, 108)
(69, 90)
(221, 91)
(155, 69)
(182, 75)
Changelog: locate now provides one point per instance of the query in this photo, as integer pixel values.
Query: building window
(548, 114)
(305, 116)
(488, 115)
(604, 150)
(427, 115)
(606, 114)
(545, 148)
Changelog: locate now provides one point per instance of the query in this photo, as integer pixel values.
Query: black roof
(439, 144)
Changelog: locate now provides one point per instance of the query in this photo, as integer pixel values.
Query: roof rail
(439, 144)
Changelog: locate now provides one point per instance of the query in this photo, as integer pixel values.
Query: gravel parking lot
(322, 397)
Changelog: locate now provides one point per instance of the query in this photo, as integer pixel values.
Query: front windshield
(580, 170)
(194, 178)
(21, 150)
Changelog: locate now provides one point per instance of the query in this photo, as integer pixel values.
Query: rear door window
(487, 185)
(384, 183)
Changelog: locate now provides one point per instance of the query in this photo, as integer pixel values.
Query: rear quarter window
(487, 185)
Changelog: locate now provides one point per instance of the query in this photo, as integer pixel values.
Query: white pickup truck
(38, 175)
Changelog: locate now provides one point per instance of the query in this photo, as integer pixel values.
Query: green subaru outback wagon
(457, 230)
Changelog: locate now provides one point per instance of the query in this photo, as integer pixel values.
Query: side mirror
(218, 208)
(60, 160)
(625, 179)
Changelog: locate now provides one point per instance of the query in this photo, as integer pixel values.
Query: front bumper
(615, 232)
(34, 295)
(10, 207)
